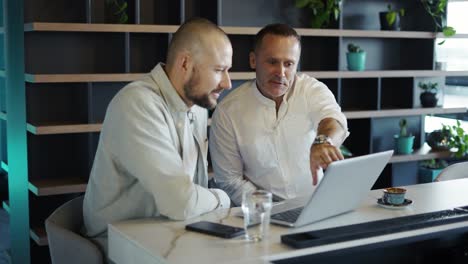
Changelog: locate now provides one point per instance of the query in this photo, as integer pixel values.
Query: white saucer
(405, 204)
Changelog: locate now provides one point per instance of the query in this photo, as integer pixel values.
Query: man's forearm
(333, 129)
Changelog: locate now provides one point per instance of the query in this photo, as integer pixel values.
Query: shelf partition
(144, 28)
(39, 236)
(4, 166)
(128, 77)
(74, 78)
(6, 206)
(82, 27)
(50, 129)
(424, 153)
(65, 185)
(403, 112)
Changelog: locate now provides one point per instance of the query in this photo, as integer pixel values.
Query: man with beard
(278, 131)
(151, 159)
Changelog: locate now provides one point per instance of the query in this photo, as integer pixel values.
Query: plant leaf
(301, 3)
(449, 31)
(391, 17)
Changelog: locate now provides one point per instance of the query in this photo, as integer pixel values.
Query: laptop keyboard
(289, 216)
(375, 228)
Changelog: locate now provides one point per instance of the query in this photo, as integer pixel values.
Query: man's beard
(202, 100)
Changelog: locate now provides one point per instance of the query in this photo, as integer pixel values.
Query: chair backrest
(453, 172)
(66, 245)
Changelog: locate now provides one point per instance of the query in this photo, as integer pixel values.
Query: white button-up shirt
(253, 147)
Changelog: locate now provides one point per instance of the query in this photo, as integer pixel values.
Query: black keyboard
(289, 216)
(375, 228)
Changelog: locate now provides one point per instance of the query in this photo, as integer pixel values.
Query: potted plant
(322, 11)
(428, 96)
(390, 20)
(457, 139)
(116, 11)
(430, 169)
(438, 139)
(436, 9)
(403, 141)
(356, 58)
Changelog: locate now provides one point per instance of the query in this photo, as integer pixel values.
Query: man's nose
(226, 81)
(280, 70)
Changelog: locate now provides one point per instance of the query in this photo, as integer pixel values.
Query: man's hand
(321, 155)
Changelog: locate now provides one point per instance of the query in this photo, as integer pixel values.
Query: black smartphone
(215, 229)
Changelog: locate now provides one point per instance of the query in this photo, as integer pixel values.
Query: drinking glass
(256, 207)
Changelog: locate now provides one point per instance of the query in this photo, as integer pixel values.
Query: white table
(163, 241)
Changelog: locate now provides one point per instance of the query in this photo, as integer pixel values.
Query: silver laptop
(344, 185)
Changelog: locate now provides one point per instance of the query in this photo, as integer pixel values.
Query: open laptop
(344, 185)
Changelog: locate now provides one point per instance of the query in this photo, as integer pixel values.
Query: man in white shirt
(278, 131)
(151, 159)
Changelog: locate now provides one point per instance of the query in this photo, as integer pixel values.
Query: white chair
(453, 172)
(66, 245)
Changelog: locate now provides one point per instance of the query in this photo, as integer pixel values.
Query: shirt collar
(268, 101)
(168, 91)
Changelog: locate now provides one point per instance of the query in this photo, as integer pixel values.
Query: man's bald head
(196, 36)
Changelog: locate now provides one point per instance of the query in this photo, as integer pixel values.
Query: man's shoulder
(138, 94)
(237, 96)
(305, 79)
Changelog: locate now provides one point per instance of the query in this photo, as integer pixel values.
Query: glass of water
(256, 207)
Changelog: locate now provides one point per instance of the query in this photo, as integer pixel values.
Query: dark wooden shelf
(64, 185)
(49, 129)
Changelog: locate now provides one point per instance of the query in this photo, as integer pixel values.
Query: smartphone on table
(215, 229)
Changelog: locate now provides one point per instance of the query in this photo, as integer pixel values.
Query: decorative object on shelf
(117, 11)
(356, 58)
(438, 139)
(403, 141)
(345, 152)
(390, 20)
(436, 9)
(430, 169)
(457, 139)
(429, 95)
(322, 11)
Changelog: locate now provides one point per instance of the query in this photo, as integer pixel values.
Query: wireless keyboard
(375, 228)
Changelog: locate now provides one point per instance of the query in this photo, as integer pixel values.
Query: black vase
(428, 99)
(384, 24)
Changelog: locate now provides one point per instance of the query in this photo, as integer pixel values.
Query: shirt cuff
(223, 199)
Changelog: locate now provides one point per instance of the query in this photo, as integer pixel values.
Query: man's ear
(185, 62)
(252, 60)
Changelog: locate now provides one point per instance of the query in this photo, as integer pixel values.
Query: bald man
(151, 159)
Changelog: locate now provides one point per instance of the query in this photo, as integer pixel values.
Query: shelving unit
(45, 187)
(75, 62)
(39, 236)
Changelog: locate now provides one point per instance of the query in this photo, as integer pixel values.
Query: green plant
(352, 48)
(434, 164)
(345, 151)
(403, 128)
(392, 14)
(436, 9)
(429, 87)
(322, 11)
(457, 139)
(119, 10)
